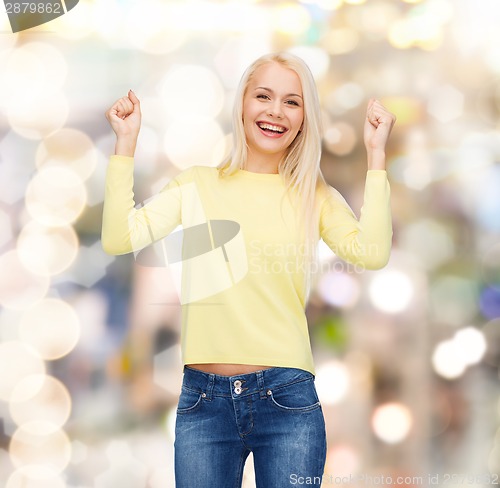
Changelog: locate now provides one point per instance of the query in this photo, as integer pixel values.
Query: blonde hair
(300, 167)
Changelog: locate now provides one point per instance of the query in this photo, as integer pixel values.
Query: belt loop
(260, 383)
(210, 386)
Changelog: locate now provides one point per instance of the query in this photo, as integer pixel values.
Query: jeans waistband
(242, 385)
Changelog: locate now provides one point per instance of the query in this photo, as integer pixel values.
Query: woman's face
(273, 110)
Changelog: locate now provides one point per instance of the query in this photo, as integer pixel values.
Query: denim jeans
(274, 413)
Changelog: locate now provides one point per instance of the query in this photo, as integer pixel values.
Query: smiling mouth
(271, 128)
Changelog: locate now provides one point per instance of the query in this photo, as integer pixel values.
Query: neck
(262, 163)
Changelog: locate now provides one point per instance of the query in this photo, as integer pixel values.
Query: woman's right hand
(125, 119)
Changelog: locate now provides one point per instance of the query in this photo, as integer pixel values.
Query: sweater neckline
(259, 176)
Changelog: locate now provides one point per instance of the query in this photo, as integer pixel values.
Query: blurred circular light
(120, 453)
(400, 35)
(51, 327)
(345, 97)
(429, 240)
(179, 147)
(453, 300)
(377, 17)
(236, 54)
(40, 444)
(19, 287)
(479, 152)
(191, 91)
(339, 289)
(446, 103)
(409, 112)
(419, 166)
(447, 360)
(147, 19)
(422, 27)
(471, 344)
(340, 41)
(45, 250)
(54, 63)
(19, 68)
(40, 398)
(30, 73)
(340, 138)
(70, 148)
(291, 18)
(391, 291)
(342, 460)
(392, 422)
(332, 382)
(316, 58)
(56, 196)
(17, 361)
(489, 302)
(38, 120)
(35, 476)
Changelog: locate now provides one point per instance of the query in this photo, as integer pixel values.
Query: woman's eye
(292, 102)
(264, 97)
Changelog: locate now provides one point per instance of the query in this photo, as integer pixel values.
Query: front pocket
(298, 397)
(189, 400)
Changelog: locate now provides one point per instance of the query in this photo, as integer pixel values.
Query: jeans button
(237, 390)
(237, 383)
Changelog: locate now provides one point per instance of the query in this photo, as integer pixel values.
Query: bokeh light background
(407, 357)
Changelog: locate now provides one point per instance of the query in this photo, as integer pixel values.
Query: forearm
(375, 224)
(376, 159)
(125, 146)
(118, 204)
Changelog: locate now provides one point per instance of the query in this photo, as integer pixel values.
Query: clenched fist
(378, 125)
(125, 119)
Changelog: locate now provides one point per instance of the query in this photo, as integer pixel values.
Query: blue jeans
(274, 413)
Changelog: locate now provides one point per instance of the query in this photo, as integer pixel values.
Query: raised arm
(367, 241)
(125, 228)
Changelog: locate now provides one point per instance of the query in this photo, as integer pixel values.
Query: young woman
(248, 382)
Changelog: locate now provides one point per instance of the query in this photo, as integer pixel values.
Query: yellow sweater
(240, 262)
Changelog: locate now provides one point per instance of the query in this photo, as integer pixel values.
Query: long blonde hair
(300, 167)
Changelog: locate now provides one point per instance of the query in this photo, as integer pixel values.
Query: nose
(274, 110)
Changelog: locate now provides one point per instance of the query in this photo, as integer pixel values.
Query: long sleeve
(367, 241)
(125, 228)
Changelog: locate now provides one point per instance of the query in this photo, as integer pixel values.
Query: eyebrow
(271, 91)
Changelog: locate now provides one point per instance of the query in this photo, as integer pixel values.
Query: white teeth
(271, 127)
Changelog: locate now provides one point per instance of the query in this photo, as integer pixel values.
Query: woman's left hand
(378, 125)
